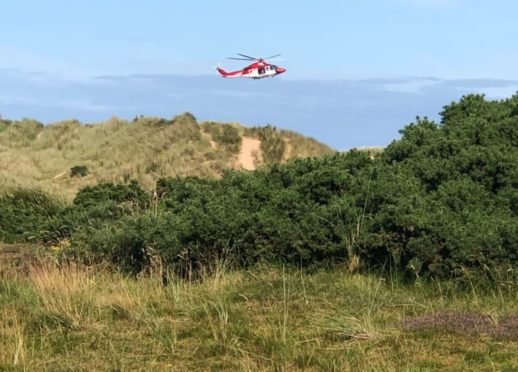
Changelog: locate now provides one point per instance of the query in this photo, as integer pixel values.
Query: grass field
(267, 318)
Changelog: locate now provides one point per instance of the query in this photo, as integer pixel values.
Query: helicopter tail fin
(222, 72)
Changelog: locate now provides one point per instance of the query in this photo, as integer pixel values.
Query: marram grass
(117, 150)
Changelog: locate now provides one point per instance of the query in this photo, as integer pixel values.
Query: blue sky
(357, 71)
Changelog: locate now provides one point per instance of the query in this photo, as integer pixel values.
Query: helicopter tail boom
(225, 73)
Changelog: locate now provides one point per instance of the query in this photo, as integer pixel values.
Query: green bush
(79, 171)
(95, 207)
(439, 202)
(25, 212)
(131, 194)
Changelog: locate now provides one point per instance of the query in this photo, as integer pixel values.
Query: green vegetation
(272, 144)
(441, 202)
(23, 212)
(79, 171)
(228, 137)
(399, 259)
(68, 317)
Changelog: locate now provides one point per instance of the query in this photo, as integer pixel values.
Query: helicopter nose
(280, 70)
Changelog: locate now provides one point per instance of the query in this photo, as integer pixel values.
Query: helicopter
(257, 70)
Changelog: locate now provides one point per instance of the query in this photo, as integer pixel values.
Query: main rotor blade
(244, 55)
(241, 59)
(277, 55)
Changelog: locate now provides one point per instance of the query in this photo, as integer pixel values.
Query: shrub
(131, 194)
(441, 201)
(24, 213)
(79, 171)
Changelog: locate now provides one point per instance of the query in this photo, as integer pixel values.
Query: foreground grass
(74, 318)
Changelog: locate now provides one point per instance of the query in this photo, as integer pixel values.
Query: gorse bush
(105, 192)
(441, 201)
(24, 212)
(466, 171)
(79, 171)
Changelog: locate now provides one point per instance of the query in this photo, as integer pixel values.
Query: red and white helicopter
(257, 70)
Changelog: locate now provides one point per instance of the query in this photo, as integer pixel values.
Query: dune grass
(267, 318)
(116, 150)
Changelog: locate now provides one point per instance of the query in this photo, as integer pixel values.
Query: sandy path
(249, 147)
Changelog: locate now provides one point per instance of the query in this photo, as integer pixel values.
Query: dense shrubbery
(441, 201)
(23, 213)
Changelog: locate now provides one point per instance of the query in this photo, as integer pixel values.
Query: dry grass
(67, 291)
(12, 341)
(61, 318)
(117, 150)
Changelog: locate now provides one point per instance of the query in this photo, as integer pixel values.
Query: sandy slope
(250, 149)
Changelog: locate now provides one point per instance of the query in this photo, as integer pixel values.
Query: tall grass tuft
(66, 290)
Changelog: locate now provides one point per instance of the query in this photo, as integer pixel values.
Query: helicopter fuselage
(257, 70)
